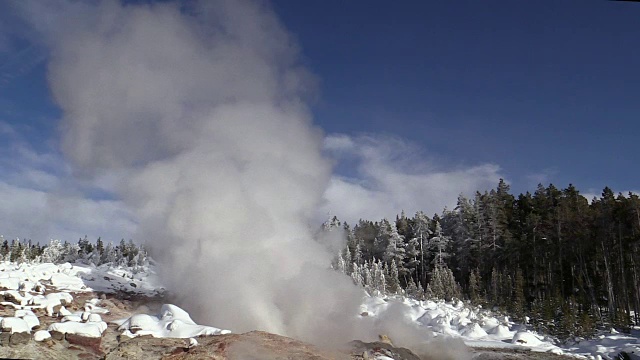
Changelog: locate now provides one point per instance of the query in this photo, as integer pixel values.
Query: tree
(99, 246)
(85, 247)
(422, 233)
(518, 300)
(53, 253)
(443, 284)
(393, 282)
(475, 287)
(439, 244)
(395, 251)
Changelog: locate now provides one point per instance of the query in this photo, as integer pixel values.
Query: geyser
(200, 113)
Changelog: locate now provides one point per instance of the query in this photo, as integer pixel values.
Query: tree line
(123, 254)
(567, 263)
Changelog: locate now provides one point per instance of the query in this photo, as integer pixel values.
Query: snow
(41, 335)
(24, 284)
(15, 325)
(473, 331)
(501, 332)
(83, 329)
(487, 329)
(193, 342)
(93, 318)
(29, 317)
(79, 278)
(171, 322)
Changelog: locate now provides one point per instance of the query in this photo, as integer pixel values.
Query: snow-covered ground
(28, 287)
(482, 328)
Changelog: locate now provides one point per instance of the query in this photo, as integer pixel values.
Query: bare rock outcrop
(251, 345)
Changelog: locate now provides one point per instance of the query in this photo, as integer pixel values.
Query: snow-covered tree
(395, 250)
(443, 284)
(357, 255)
(53, 253)
(109, 256)
(356, 274)
(341, 265)
(392, 281)
(70, 252)
(422, 233)
(439, 244)
(379, 280)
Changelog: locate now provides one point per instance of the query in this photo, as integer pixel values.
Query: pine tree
(412, 289)
(356, 275)
(357, 255)
(422, 233)
(428, 293)
(443, 284)
(396, 247)
(495, 286)
(53, 252)
(4, 250)
(109, 256)
(420, 294)
(475, 289)
(518, 301)
(379, 280)
(341, 266)
(393, 282)
(85, 247)
(347, 260)
(100, 246)
(368, 278)
(439, 245)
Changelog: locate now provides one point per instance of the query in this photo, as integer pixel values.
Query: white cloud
(392, 175)
(40, 200)
(40, 216)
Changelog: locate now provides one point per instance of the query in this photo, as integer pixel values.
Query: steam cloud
(199, 114)
(200, 111)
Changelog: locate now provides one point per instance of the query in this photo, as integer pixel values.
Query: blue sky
(447, 95)
(538, 87)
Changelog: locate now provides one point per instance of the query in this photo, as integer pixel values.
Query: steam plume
(199, 114)
(200, 111)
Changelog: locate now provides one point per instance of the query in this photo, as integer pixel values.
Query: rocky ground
(248, 346)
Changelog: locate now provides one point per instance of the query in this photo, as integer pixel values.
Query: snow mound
(526, 338)
(171, 322)
(29, 317)
(474, 331)
(501, 332)
(83, 329)
(15, 325)
(41, 335)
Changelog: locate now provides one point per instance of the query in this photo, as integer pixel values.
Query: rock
(57, 335)
(385, 339)
(4, 338)
(92, 343)
(10, 298)
(378, 349)
(19, 338)
(56, 309)
(252, 345)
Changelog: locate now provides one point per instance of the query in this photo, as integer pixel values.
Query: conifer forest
(565, 263)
